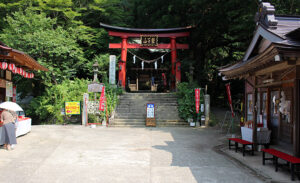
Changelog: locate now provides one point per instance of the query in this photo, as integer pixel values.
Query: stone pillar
(84, 120)
(178, 72)
(207, 108)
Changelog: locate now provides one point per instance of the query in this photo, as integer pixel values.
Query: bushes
(47, 108)
(186, 100)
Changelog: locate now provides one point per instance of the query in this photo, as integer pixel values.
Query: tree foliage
(65, 37)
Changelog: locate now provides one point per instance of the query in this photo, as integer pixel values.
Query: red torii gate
(125, 33)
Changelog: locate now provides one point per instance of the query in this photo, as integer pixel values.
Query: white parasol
(11, 106)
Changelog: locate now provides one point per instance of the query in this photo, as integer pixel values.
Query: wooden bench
(292, 161)
(244, 144)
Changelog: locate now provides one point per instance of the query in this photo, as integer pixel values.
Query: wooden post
(254, 126)
(296, 115)
(268, 108)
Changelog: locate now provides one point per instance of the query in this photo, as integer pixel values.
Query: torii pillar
(122, 62)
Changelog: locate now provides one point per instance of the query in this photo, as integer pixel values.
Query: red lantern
(20, 71)
(15, 70)
(4, 65)
(32, 75)
(11, 67)
(24, 73)
(27, 75)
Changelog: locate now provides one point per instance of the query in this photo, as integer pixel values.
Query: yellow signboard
(72, 108)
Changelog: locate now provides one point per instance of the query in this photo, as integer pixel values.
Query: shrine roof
(275, 35)
(20, 58)
(139, 30)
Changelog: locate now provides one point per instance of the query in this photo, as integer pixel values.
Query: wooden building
(12, 62)
(271, 70)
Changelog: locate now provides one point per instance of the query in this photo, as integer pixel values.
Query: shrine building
(271, 71)
(13, 62)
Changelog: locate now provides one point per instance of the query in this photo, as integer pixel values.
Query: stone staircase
(131, 111)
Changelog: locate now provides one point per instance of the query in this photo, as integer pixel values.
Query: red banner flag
(229, 98)
(102, 100)
(197, 99)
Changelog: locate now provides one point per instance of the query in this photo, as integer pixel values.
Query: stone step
(135, 102)
(171, 115)
(131, 110)
(148, 97)
(143, 124)
(164, 105)
(129, 120)
(131, 117)
(172, 124)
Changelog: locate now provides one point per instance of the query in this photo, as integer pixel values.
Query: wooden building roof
(19, 58)
(275, 36)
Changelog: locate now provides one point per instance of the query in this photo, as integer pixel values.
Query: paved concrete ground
(108, 155)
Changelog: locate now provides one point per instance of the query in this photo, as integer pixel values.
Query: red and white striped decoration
(31, 75)
(4, 65)
(15, 70)
(11, 67)
(20, 71)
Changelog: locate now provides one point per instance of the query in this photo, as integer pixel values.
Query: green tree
(51, 45)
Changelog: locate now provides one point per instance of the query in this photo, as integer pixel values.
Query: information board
(9, 89)
(72, 108)
(150, 110)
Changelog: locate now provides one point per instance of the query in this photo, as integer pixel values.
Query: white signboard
(112, 69)
(9, 89)
(95, 87)
(150, 110)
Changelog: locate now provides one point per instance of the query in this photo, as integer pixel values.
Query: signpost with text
(150, 118)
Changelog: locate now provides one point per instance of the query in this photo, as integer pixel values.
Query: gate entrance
(149, 39)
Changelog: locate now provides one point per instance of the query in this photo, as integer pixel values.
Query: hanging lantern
(24, 73)
(31, 75)
(4, 65)
(11, 67)
(27, 75)
(20, 71)
(15, 70)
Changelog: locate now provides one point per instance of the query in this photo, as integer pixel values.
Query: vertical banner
(229, 98)
(197, 99)
(14, 99)
(102, 100)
